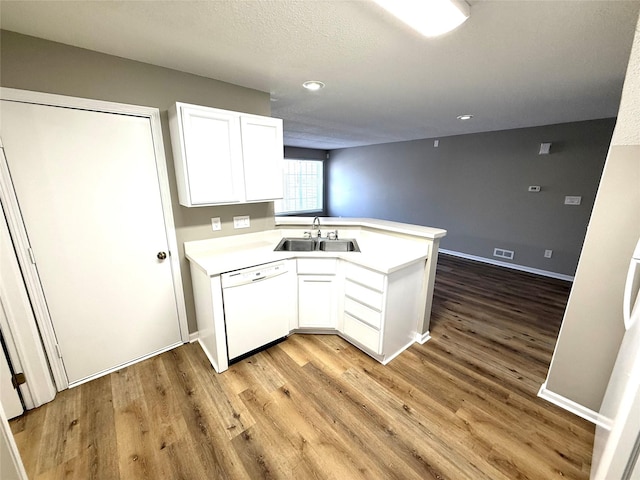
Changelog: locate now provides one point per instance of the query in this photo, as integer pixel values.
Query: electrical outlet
(571, 200)
(241, 222)
(534, 188)
(215, 224)
(548, 253)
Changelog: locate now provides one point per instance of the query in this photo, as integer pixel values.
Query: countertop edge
(384, 225)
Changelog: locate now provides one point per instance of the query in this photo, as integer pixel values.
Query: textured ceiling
(512, 64)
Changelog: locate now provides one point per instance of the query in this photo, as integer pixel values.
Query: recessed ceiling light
(466, 116)
(313, 85)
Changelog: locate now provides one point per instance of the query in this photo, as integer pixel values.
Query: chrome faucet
(316, 226)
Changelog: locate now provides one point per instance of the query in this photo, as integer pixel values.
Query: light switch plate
(572, 200)
(215, 224)
(241, 222)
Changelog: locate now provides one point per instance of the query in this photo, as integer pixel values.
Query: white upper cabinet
(224, 157)
(262, 151)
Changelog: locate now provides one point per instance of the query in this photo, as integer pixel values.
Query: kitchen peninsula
(379, 298)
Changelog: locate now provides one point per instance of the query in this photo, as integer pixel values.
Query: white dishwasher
(259, 304)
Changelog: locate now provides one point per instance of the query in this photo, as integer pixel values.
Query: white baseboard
(568, 405)
(423, 338)
(513, 266)
(193, 337)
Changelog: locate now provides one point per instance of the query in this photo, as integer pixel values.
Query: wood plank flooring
(461, 406)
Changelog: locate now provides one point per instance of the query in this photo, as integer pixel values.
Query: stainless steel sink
(341, 245)
(323, 245)
(296, 245)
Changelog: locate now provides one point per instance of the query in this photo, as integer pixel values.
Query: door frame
(18, 232)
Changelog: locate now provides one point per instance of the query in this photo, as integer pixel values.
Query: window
(303, 186)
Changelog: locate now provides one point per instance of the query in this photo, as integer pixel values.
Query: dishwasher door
(259, 304)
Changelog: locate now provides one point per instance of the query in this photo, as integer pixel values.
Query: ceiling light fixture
(464, 117)
(429, 17)
(313, 85)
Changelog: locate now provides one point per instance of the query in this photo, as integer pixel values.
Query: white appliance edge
(617, 440)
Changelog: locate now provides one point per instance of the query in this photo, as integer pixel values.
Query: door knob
(161, 255)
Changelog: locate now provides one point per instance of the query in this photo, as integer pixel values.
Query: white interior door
(88, 191)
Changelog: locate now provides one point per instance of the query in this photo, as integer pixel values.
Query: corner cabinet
(380, 311)
(224, 157)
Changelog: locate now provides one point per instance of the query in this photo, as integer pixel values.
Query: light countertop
(379, 251)
(371, 223)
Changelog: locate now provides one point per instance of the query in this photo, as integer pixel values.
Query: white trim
(193, 337)
(513, 266)
(124, 365)
(568, 405)
(20, 322)
(317, 331)
(402, 350)
(16, 225)
(169, 226)
(212, 358)
(423, 338)
(30, 275)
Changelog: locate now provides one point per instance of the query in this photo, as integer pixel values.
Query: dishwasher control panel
(254, 274)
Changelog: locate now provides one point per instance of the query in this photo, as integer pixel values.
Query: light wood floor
(462, 406)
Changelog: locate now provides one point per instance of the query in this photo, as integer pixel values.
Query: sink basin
(312, 244)
(341, 245)
(296, 245)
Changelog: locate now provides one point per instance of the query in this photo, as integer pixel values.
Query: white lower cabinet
(380, 312)
(316, 301)
(364, 295)
(317, 293)
(376, 312)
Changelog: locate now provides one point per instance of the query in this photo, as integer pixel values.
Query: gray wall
(475, 187)
(305, 153)
(30, 63)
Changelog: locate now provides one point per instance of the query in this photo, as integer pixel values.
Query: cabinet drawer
(365, 276)
(362, 333)
(362, 312)
(372, 298)
(317, 266)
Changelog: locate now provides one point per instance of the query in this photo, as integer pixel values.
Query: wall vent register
(502, 253)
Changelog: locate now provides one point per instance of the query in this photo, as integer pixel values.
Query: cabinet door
(316, 301)
(263, 151)
(213, 154)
